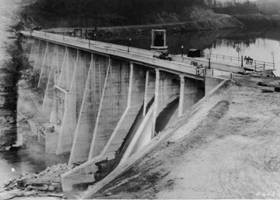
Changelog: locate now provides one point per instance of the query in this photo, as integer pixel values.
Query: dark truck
(163, 56)
(194, 53)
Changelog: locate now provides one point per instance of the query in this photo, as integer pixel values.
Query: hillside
(108, 13)
(59, 13)
(196, 14)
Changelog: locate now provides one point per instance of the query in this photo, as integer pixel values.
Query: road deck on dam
(129, 53)
(141, 56)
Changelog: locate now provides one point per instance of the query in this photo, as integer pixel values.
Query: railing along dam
(105, 102)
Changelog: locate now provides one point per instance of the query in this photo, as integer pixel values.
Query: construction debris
(45, 184)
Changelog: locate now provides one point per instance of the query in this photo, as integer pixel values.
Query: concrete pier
(88, 115)
(112, 107)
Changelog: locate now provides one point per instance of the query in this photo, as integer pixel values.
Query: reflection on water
(259, 46)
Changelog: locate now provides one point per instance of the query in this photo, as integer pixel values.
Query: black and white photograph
(139, 99)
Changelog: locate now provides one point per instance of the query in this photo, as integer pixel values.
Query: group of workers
(248, 60)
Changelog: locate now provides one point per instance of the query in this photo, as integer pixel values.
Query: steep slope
(232, 153)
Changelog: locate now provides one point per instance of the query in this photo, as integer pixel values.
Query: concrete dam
(106, 102)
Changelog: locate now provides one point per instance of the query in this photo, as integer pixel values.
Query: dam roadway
(136, 55)
(104, 103)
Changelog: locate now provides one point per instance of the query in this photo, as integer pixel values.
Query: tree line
(115, 12)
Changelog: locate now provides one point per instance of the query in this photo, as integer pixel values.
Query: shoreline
(175, 27)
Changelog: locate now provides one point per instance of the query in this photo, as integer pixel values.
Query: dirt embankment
(232, 153)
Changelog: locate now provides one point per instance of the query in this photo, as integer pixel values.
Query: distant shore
(259, 20)
(174, 27)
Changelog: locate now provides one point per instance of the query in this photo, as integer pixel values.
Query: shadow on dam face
(165, 116)
(194, 91)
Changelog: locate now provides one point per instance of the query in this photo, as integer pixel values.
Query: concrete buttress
(104, 103)
(112, 106)
(91, 100)
(69, 120)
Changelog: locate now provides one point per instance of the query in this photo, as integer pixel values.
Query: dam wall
(101, 108)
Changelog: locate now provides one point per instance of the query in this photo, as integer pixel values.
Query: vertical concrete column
(89, 111)
(49, 92)
(182, 94)
(168, 100)
(65, 64)
(121, 129)
(34, 51)
(61, 55)
(68, 68)
(92, 146)
(194, 91)
(132, 118)
(130, 85)
(113, 109)
(37, 56)
(84, 64)
(50, 101)
(82, 138)
(69, 118)
(156, 101)
(31, 56)
(43, 67)
(58, 78)
(146, 93)
(54, 111)
(145, 129)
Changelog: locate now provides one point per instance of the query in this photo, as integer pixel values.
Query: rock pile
(46, 183)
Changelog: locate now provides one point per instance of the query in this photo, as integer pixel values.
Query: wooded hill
(107, 12)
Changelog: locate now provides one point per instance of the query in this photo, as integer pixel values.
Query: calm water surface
(264, 49)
